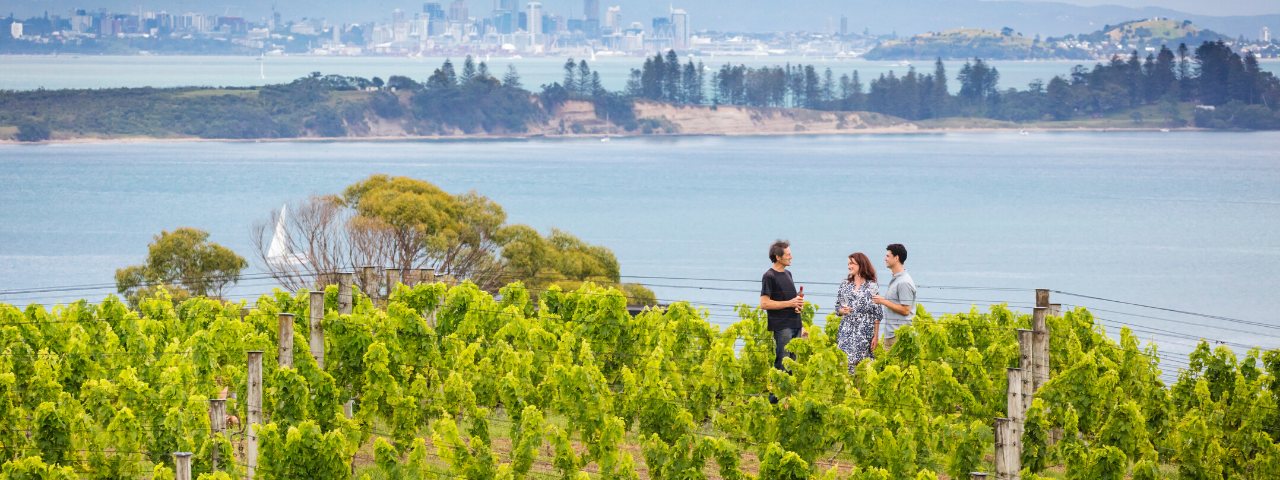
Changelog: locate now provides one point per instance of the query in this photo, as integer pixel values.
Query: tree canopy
(185, 263)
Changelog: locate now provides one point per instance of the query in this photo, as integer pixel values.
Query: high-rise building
(613, 19)
(591, 10)
(844, 25)
(397, 15)
(680, 28)
(508, 5)
(434, 10)
(458, 11)
(1265, 36)
(535, 18)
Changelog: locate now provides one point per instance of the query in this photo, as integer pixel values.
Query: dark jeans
(780, 340)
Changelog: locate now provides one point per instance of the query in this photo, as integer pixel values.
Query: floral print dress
(858, 327)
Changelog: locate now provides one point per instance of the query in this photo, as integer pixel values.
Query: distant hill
(1121, 38)
(1152, 33)
(973, 42)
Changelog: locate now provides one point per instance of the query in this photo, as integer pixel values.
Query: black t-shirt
(779, 287)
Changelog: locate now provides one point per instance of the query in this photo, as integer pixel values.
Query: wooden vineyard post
(316, 329)
(1008, 457)
(182, 466)
(428, 275)
(1026, 359)
(1040, 327)
(370, 279)
(411, 277)
(217, 425)
(393, 278)
(244, 312)
(286, 340)
(255, 410)
(1055, 309)
(1014, 408)
(344, 293)
(977, 476)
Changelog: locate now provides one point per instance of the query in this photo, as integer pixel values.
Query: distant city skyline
(902, 17)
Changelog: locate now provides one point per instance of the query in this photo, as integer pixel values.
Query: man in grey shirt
(899, 299)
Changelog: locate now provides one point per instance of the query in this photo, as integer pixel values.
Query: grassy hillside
(970, 43)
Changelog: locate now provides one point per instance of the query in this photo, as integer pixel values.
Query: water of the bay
(1184, 220)
(23, 72)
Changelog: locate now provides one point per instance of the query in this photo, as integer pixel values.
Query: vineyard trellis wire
(665, 375)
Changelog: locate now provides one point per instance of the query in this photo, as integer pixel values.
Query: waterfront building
(613, 20)
(15, 29)
(458, 11)
(1265, 35)
(680, 28)
(534, 19)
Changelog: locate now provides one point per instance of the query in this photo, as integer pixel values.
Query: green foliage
(183, 262)
(579, 374)
(32, 132)
(303, 451)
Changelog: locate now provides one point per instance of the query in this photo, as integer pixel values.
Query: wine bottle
(801, 295)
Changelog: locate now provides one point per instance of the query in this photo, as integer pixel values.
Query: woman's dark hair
(865, 269)
(777, 249)
(898, 251)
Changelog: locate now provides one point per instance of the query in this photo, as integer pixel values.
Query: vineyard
(434, 382)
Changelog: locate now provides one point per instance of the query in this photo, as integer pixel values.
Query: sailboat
(607, 128)
(279, 254)
(262, 72)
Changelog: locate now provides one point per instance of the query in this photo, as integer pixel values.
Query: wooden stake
(370, 279)
(217, 425)
(1014, 390)
(1055, 309)
(316, 329)
(427, 275)
(1042, 297)
(286, 340)
(1004, 442)
(1040, 350)
(255, 410)
(977, 476)
(182, 466)
(344, 293)
(393, 279)
(1026, 359)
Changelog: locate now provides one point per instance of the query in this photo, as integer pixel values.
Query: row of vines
(458, 383)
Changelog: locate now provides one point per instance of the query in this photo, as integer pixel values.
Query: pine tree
(828, 90)
(569, 83)
(484, 70)
(597, 88)
(468, 70)
(449, 75)
(584, 79)
(671, 78)
(511, 78)
(940, 94)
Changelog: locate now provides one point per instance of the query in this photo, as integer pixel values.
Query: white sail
(279, 252)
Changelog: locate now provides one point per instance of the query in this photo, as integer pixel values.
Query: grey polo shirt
(901, 291)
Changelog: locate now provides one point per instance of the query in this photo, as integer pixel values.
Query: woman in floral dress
(860, 317)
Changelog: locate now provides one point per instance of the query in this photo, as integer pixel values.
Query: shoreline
(583, 136)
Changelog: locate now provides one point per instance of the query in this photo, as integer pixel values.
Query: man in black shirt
(778, 298)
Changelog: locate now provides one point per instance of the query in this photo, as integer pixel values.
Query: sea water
(1187, 221)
